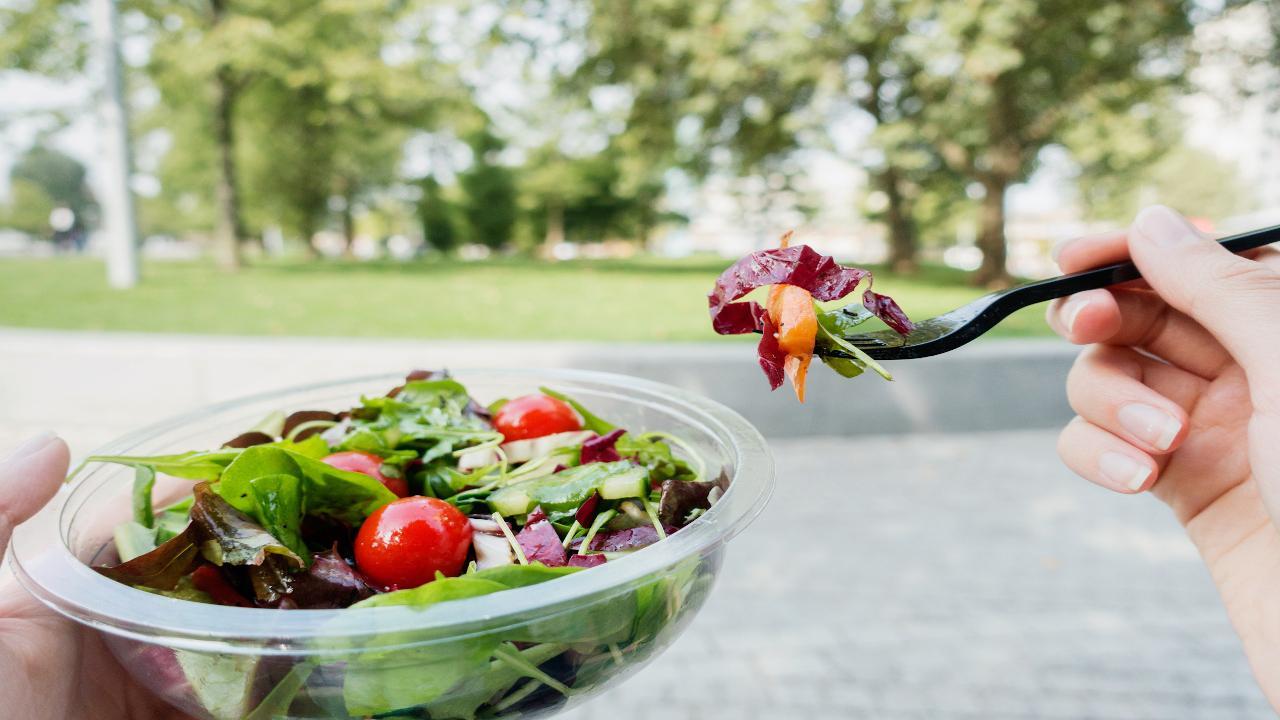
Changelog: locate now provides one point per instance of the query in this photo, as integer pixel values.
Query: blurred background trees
(286, 126)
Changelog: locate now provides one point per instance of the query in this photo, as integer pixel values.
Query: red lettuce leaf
(305, 416)
(163, 567)
(798, 265)
(601, 448)
(681, 497)
(884, 307)
(540, 542)
(586, 561)
(249, 439)
(770, 354)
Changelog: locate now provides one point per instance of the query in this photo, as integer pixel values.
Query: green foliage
(489, 192)
(1193, 181)
(437, 215)
(28, 208)
(43, 179)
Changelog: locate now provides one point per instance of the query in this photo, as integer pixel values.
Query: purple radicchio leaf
(587, 510)
(540, 542)
(884, 307)
(798, 265)
(329, 583)
(629, 539)
(601, 448)
(586, 561)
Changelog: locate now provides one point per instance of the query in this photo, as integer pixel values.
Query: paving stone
(955, 577)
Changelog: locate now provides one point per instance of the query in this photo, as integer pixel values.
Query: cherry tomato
(534, 416)
(405, 543)
(367, 464)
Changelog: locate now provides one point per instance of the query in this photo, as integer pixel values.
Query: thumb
(29, 476)
(1232, 297)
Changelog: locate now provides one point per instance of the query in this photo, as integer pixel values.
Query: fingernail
(1056, 250)
(32, 446)
(1071, 310)
(1123, 471)
(1149, 424)
(1164, 227)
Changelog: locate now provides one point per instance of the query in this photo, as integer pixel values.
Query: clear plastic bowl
(540, 648)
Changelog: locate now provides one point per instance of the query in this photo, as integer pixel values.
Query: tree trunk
(903, 247)
(993, 272)
(348, 227)
(228, 228)
(555, 227)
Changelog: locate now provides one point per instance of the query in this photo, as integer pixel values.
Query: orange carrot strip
(797, 368)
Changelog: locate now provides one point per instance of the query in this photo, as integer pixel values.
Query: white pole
(117, 200)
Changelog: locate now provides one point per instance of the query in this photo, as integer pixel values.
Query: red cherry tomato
(367, 464)
(534, 416)
(405, 543)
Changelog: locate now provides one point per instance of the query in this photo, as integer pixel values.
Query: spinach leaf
(381, 681)
(464, 700)
(206, 465)
(452, 674)
(345, 495)
(133, 540)
(144, 480)
(441, 590)
(171, 521)
(832, 327)
(279, 504)
(517, 576)
(655, 456)
(222, 683)
(589, 421)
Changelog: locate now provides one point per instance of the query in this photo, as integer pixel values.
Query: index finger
(1091, 251)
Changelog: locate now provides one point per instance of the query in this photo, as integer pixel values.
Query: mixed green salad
(416, 497)
(328, 510)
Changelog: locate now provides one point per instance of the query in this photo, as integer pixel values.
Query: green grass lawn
(643, 299)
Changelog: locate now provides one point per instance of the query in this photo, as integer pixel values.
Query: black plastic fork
(960, 326)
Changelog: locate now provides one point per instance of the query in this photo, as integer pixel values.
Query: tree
(436, 214)
(1008, 77)
(1191, 180)
(489, 205)
(865, 64)
(309, 82)
(60, 177)
(28, 208)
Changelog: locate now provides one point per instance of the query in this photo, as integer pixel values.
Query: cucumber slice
(511, 500)
(632, 483)
(570, 488)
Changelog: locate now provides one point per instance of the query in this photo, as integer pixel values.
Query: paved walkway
(949, 578)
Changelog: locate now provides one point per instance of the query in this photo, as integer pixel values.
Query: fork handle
(1109, 275)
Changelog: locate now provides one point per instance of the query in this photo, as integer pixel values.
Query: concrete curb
(123, 380)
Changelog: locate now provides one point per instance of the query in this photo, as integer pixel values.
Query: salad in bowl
(490, 544)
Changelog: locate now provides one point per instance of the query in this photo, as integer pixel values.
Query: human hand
(1179, 393)
(54, 669)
